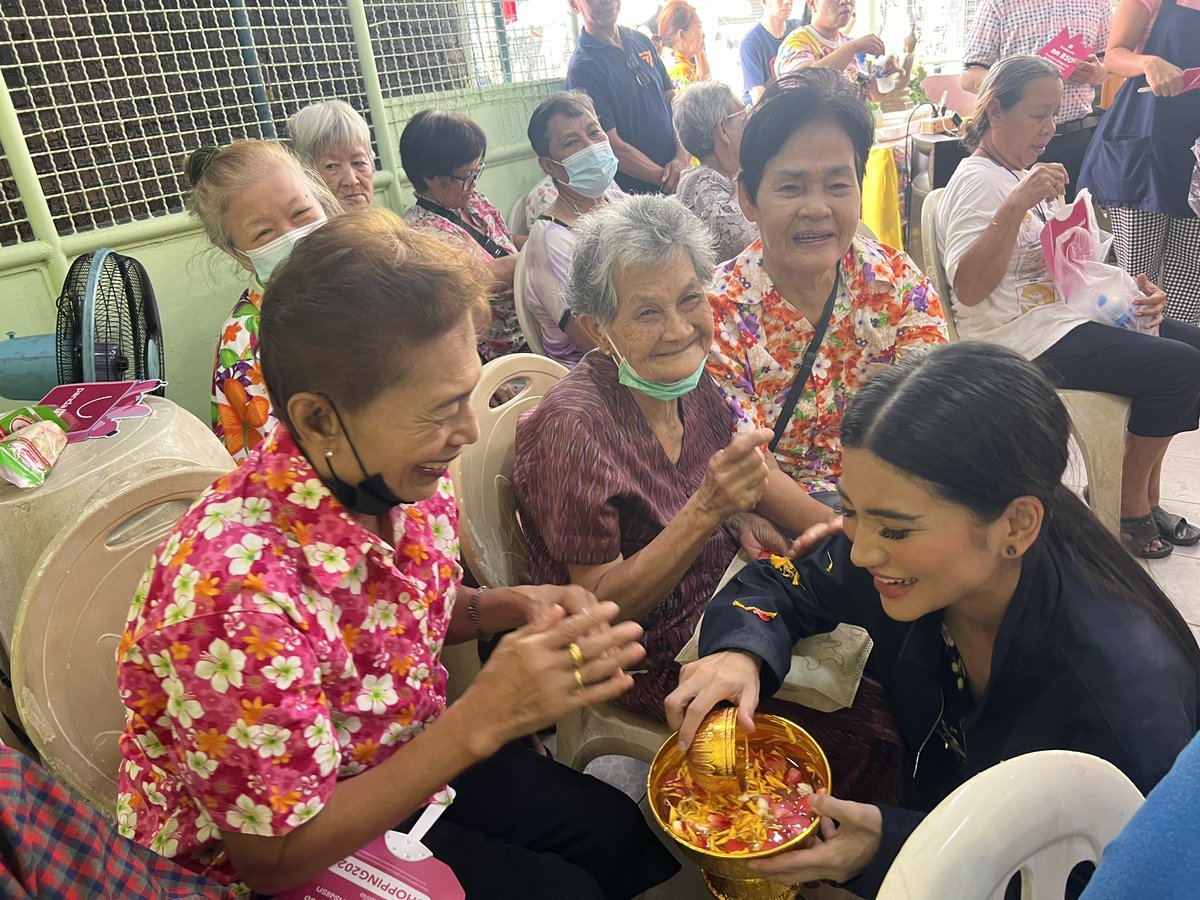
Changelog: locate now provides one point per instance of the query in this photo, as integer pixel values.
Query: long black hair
(981, 426)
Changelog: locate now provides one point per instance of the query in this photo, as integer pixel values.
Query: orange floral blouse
(887, 309)
(241, 410)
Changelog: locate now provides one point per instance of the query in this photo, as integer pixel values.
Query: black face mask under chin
(372, 497)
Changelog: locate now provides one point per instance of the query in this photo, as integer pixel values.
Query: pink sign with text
(1064, 50)
(375, 873)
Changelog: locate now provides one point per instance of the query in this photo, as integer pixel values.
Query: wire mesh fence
(14, 226)
(111, 95)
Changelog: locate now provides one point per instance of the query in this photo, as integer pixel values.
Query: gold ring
(578, 677)
(576, 654)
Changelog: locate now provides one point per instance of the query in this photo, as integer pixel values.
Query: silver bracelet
(473, 612)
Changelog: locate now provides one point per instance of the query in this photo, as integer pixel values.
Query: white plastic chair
(530, 327)
(1098, 421)
(1037, 815)
(518, 217)
(494, 547)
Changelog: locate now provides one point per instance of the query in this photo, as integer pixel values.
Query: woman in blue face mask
(630, 480)
(574, 152)
(255, 201)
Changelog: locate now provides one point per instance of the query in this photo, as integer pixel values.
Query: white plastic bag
(1076, 249)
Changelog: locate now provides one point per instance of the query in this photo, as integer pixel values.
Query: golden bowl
(726, 873)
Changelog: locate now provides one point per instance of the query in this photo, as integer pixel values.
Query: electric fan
(108, 330)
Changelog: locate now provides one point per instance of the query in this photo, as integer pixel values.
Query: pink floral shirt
(273, 647)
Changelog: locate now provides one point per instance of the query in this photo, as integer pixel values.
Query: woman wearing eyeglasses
(442, 155)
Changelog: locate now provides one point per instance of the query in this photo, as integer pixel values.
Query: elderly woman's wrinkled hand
(730, 675)
(1151, 305)
(532, 679)
(539, 600)
(736, 476)
(850, 838)
(758, 536)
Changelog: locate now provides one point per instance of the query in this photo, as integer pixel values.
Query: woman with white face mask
(255, 201)
(574, 152)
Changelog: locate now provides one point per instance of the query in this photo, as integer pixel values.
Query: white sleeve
(966, 212)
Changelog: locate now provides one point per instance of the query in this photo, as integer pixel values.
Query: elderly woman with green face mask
(626, 475)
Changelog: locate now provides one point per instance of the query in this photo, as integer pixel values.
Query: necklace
(1037, 209)
(600, 201)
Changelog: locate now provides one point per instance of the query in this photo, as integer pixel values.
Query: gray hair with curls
(640, 232)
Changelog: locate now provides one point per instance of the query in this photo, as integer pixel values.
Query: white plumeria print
(249, 817)
(354, 579)
(245, 554)
(330, 558)
(271, 740)
(179, 612)
(241, 734)
(416, 675)
(319, 733)
(307, 494)
(256, 511)
(377, 694)
(221, 666)
(185, 583)
(283, 671)
(180, 707)
(200, 764)
(206, 828)
(327, 758)
(165, 843)
(302, 812)
(443, 533)
(216, 515)
(346, 727)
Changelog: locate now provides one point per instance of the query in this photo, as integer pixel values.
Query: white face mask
(271, 255)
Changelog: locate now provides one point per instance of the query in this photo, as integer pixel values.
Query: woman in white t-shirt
(989, 228)
(573, 150)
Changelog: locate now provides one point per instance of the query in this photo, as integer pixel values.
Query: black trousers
(523, 827)
(1069, 149)
(1161, 375)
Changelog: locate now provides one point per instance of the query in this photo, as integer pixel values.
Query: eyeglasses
(741, 112)
(469, 181)
(639, 71)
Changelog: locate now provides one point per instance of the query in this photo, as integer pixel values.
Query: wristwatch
(473, 612)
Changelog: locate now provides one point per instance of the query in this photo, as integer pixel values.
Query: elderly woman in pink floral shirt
(285, 697)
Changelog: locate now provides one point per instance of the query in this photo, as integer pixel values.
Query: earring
(329, 454)
(1011, 550)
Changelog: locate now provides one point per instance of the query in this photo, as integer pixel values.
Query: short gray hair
(698, 109)
(637, 232)
(328, 125)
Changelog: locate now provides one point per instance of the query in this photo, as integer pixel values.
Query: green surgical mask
(659, 390)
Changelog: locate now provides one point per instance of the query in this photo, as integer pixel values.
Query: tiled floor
(1179, 575)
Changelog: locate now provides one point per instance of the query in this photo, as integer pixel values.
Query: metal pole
(385, 136)
(258, 88)
(29, 188)
(502, 41)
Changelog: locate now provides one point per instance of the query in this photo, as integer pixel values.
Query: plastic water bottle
(885, 83)
(1118, 313)
(860, 62)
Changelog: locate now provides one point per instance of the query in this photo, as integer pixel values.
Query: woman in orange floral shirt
(803, 152)
(255, 200)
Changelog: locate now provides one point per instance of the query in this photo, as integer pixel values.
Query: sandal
(1175, 529)
(1140, 536)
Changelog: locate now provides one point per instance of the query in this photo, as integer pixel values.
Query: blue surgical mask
(659, 390)
(270, 256)
(591, 170)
